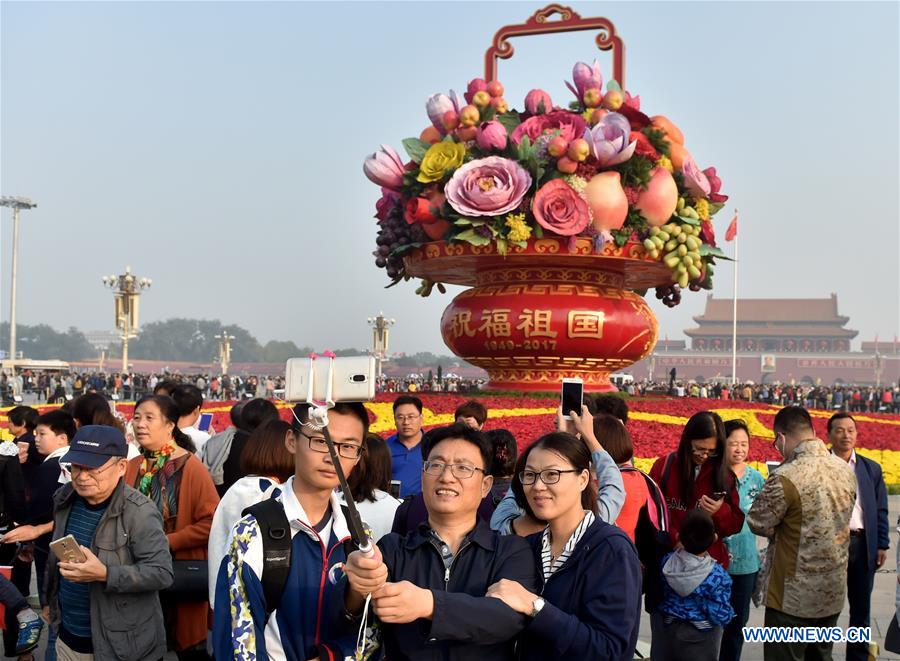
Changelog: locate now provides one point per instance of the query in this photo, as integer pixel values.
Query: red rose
(569, 125)
(644, 148)
(558, 208)
(425, 210)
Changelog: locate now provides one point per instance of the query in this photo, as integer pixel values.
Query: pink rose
(569, 125)
(487, 187)
(558, 208)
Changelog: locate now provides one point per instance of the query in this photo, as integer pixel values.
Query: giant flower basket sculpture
(559, 219)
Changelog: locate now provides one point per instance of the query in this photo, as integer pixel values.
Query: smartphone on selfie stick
(359, 383)
(571, 397)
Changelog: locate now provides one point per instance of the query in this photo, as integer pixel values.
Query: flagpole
(734, 311)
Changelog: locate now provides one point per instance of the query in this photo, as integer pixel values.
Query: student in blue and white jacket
(310, 621)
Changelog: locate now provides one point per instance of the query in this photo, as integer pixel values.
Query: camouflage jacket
(804, 509)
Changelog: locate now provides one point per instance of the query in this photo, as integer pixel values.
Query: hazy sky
(217, 148)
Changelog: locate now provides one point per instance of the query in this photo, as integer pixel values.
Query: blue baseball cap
(93, 445)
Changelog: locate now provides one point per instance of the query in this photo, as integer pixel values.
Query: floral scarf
(151, 464)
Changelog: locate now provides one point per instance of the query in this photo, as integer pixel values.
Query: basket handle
(569, 21)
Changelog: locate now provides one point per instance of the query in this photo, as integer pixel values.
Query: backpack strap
(276, 536)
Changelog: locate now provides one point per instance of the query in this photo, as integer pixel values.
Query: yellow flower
(439, 158)
(518, 228)
(664, 162)
(702, 209)
(577, 183)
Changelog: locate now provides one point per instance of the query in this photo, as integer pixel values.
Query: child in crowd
(697, 594)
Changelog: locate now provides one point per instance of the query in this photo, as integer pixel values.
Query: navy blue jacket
(873, 498)
(593, 601)
(466, 624)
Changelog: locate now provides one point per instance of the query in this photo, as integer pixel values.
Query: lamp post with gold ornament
(127, 291)
(224, 350)
(380, 326)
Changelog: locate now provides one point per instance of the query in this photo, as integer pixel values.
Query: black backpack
(276, 536)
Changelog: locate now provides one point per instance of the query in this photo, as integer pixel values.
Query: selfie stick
(318, 418)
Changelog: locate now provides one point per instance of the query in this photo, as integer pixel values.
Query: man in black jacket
(428, 587)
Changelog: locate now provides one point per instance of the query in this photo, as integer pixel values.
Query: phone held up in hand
(719, 495)
(67, 549)
(572, 396)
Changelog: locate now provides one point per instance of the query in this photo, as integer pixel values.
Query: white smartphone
(572, 396)
(353, 379)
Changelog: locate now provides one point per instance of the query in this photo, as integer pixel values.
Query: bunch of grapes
(394, 233)
(670, 295)
(680, 244)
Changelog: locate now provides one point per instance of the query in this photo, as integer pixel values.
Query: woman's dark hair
(614, 438)
(519, 490)
(612, 405)
(373, 471)
(506, 452)
(265, 452)
(704, 424)
(24, 416)
(255, 413)
(472, 409)
(165, 387)
(573, 450)
(188, 398)
(93, 409)
(734, 425)
(169, 411)
(464, 433)
(235, 414)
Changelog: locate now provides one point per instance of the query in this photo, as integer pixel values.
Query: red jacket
(729, 519)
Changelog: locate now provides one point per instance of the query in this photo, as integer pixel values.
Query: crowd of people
(56, 387)
(148, 535)
(855, 399)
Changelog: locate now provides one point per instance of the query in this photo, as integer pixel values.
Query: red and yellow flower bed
(655, 424)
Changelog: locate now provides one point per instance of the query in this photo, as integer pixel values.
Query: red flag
(731, 232)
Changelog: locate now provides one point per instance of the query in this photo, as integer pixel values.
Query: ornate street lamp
(127, 291)
(16, 204)
(224, 350)
(380, 326)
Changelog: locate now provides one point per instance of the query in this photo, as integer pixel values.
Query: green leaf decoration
(502, 247)
(415, 148)
(462, 221)
(510, 121)
(613, 86)
(689, 220)
(658, 139)
(715, 207)
(707, 250)
(635, 172)
(538, 231)
(473, 237)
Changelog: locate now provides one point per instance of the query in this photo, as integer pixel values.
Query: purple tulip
(384, 168)
(585, 77)
(491, 136)
(437, 106)
(489, 186)
(608, 140)
(537, 102)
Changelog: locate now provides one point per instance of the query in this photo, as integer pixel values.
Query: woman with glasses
(695, 476)
(170, 475)
(588, 602)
